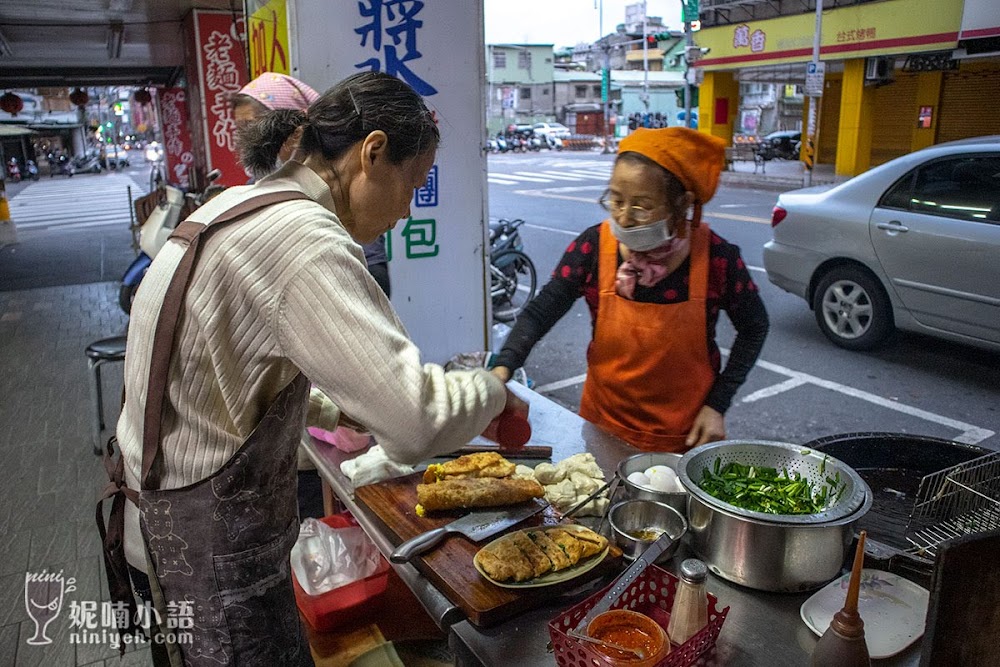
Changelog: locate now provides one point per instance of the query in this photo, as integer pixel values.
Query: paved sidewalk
(49, 477)
(777, 175)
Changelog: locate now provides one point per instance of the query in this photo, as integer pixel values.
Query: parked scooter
(89, 162)
(554, 142)
(31, 170)
(13, 170)
(174, 205)
(60, 165)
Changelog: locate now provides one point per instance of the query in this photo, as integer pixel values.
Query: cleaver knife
(476, 526)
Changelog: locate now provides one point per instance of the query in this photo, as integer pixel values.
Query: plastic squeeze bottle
(843, 643)
(690, 611)
(511, 428)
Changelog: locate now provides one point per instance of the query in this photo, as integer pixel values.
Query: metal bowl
(640, 463)
(631, 516)
(771, 556)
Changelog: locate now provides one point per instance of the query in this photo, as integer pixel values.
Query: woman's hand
(709, 426)
(501, 372)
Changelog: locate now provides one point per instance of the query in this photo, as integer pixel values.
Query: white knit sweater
(284, 291)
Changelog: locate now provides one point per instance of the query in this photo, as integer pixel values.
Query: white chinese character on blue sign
(428, 194)
(398, 20)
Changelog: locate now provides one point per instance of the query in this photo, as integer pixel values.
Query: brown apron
(221, 545)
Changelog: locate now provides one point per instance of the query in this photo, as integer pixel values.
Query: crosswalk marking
(75, 203)
(550, 176)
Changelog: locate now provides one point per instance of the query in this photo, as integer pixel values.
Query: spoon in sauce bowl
(637, 652)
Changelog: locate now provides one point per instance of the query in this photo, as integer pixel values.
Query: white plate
(894, 610)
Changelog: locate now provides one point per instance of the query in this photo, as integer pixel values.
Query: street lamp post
(645, 57)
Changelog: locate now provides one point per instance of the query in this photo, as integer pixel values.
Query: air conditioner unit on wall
(879, 69)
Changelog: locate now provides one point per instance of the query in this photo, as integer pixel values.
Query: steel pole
(689, 42)
(645, 58)
(813, 101)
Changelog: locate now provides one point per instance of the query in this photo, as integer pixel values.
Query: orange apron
(648, 371)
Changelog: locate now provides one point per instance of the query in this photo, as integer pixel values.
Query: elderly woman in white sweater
(215, 398)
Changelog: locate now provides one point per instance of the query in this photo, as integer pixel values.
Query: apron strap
(192, 233)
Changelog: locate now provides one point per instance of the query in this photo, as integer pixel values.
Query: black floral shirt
(730, 289)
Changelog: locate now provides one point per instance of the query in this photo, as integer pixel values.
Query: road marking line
(552, 195)
(733, 216)
(969, 435)
(561, 175)
(774, 390)
(561, 384)
(498, 181)
(553, 229)
(591, 173)
(532, 179)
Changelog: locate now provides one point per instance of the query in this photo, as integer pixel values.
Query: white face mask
(642, 238)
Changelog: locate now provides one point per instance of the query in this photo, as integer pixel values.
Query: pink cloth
(280, 91)
(649, 268)
(344, 439)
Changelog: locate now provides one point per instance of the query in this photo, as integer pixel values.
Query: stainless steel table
(761, 628)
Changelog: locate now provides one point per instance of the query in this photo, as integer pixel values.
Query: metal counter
(761, 628)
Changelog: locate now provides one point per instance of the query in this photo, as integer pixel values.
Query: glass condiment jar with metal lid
(690, 610)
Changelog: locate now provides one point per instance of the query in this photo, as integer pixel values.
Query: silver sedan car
(912, 244)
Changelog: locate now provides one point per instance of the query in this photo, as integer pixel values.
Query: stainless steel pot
(631, 516)
(641, 462)
(771, 556)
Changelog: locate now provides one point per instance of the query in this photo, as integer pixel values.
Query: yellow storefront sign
(871, 29)
(268, 32)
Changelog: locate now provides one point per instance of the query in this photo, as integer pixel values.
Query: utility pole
(689, 13)
(645, 57)
(814, 75)
(605, 83)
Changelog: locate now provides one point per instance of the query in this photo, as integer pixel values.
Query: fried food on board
(482, 464)
(519, 555)
(452, 494)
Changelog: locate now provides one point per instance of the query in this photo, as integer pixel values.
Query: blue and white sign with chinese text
(437, 263)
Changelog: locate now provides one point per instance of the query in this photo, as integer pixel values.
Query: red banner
(176, 134)
(221, 73)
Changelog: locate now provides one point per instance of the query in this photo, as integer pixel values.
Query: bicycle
(513, 279)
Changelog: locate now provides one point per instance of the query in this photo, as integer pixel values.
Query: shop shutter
(829, 122)
(895, 107)
(969, 102)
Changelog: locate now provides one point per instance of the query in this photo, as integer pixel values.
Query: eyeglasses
(616, 207)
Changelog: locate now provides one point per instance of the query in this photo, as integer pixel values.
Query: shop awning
(15, 131)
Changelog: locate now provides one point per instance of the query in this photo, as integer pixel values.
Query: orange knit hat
(695, 158)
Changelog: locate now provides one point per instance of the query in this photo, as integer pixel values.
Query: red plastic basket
(347, 603)
(651, 594)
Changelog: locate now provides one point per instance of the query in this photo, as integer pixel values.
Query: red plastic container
(347, 603)
(651, 594)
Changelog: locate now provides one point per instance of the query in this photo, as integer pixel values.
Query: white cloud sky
(563, 22)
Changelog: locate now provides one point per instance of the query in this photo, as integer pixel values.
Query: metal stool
(99, 353)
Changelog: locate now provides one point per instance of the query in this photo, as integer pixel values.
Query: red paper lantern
(79, 97)
(143, 96)
(11, 103)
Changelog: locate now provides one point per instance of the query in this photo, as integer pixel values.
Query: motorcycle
(61, 166)
(170, 207)
(513, 279)
(13, 170)
(553, 142)
(31, 170)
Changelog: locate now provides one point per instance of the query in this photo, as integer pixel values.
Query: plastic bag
(325, 558)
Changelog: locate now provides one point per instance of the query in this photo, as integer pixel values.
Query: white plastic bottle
(690, 610)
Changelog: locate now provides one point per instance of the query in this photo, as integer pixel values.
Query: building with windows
(900, 74)
(519, 84)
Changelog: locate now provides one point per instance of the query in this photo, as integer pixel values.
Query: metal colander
(795, 458)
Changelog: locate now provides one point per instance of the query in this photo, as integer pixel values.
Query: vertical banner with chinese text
(221, 71)
(438, 256)
(176, 134)
(268, 35)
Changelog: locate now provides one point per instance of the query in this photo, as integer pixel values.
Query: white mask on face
(642, 238)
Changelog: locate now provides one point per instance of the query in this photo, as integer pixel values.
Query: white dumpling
(661, 468)
(562, 496)
(583, 484)
(595, 507)
(523, 472)
(546, 474)
(582, 463)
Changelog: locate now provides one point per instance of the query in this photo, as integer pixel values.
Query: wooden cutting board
(449, 565)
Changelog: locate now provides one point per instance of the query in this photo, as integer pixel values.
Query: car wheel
(852, 308)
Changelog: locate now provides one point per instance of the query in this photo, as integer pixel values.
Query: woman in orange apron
(655, 282)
